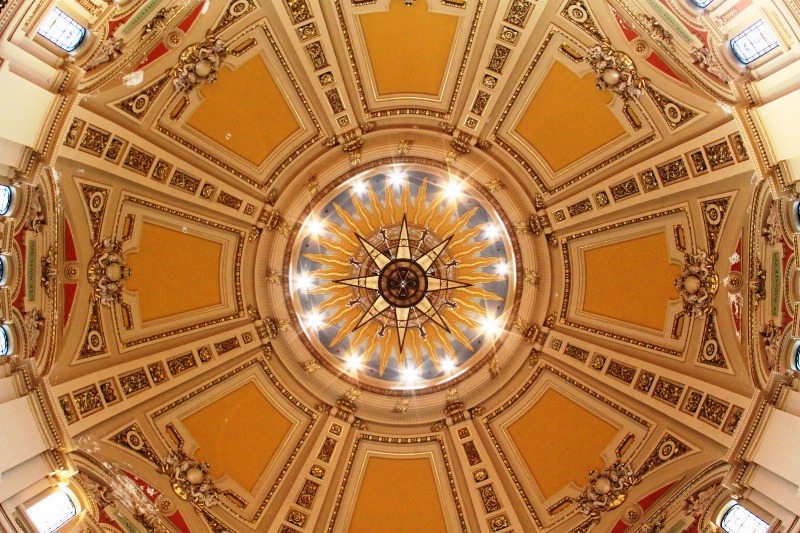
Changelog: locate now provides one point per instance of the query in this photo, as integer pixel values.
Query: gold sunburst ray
(369, 240)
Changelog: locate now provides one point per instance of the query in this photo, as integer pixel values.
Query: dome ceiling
(386, 264)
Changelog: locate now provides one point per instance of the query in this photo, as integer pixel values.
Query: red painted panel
(629, 32)
(648, 501)
(157, 52)
(186, 23)
(619, 527)
(655, 60)
(70, 253)
(69, 299)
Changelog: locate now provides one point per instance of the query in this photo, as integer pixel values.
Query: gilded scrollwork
(198, 64)
(606, 490)
(190, 479)
(615, 71)
(698, 283)
(107, 272)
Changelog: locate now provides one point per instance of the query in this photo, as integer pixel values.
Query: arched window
(702, 3)
(62, 30)
(753, 42)
(52, 512)
(738, 519)
(5, 199)
(5, 345)
(797, 358)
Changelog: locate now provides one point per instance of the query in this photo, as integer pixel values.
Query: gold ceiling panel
(409, 49)
(256, 118)
(408, 60)
(561, 128)
(411, 499)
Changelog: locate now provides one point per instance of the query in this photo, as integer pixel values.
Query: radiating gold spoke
(409, 280)
(443, 284)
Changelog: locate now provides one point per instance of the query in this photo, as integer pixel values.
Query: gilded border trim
(237, 271)
(313, 416)
(568, 280)
(438, 438)
(524, 162)
(517, 396)
(400, 110)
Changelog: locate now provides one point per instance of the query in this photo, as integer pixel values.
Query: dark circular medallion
(403, 283)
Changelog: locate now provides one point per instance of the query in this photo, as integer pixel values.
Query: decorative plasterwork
(698, 283)
(295, 233)
(548, 181)
(615, 71)
(672, 340)
(606, 490)
(171, 122)
(130, 331)
(390, 445)
(107, 272)
(636, 430)
(373, 109)
(198, 64)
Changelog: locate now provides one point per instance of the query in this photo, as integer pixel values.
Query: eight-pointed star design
(403, 283)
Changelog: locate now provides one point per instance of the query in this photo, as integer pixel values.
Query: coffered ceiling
(573, 244)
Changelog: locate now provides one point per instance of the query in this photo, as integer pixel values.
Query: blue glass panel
(797, 359)
(62, 30)
(739, 520)
(3, 341)
(753, 42)
(5, 199)
(702, 3)
(52, 512)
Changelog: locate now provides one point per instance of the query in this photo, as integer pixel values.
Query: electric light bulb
(303, 282)
(453, 189)
(490, 325)
(353, 362)
(314, 320)
(491, 231)
(448, 364)
(409, 374)
(397, 178)
(359, 187)
(315, 226)
(501, 269)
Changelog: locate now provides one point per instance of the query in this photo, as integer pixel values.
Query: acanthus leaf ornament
(704, 59)
(606, 490)
(698, 283)
(198, 64)
(108, 272)
(615, 71)
(190, 479)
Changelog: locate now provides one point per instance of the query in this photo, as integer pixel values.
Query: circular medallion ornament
(402, 280)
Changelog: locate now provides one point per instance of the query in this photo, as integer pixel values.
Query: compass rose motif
(402, 274)
(403, 284)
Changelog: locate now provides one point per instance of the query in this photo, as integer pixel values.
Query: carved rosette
(198, 64)
(615, 71)
(107, 272)
(698, 283)
(606, 490)
(190, 479)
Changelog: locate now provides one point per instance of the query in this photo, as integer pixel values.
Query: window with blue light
(753, 42)
(52, 512)
(4, 344)
(5, 199)
(738, 519)
(702, 3)
(62, 30)
(797, 358)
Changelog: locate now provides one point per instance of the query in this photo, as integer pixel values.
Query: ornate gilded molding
(615, 71)
(198, 64)
(606, 490)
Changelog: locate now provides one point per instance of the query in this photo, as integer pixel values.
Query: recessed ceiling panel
(401, 505)
(245, 112)
(409, 48)
(568, 118)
